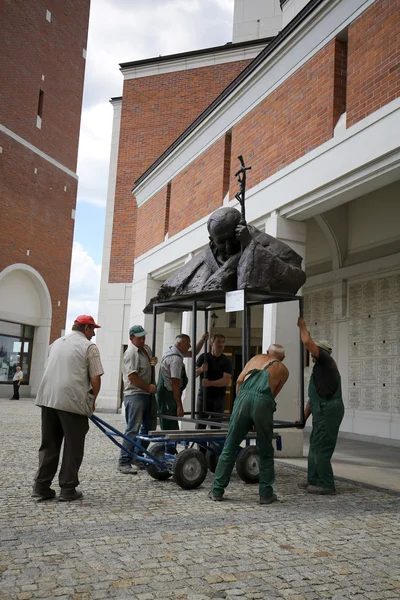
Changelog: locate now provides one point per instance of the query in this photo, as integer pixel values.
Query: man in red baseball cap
(67, 396)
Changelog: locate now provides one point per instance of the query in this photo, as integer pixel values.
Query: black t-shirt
(326, 374)
(217, 366)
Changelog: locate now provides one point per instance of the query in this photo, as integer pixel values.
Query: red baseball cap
(85, 320)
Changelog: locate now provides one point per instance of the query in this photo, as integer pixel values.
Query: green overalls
(254, 405)
(327, 414)
(166, 402)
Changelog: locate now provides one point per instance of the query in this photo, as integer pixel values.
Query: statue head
(221, 226)
(222, 223)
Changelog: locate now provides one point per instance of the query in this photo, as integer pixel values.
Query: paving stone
(135, 538)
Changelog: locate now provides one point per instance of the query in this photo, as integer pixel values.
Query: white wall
(290, 9)
(374, 218)
(254, 19)
(317, 249)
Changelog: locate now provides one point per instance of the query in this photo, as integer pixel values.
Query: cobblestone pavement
(136, 538)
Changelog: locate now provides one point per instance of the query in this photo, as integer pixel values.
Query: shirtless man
(257, 386)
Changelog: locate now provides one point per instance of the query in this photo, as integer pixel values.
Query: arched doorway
(25, 320)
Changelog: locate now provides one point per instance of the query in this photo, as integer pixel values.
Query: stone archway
(25, 299)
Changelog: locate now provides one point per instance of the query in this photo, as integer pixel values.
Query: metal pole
(194, 338)
(205, 359)
(244, 332)
(248, 311)
(153, 343)
(301, 309)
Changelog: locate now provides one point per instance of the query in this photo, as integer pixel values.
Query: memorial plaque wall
(374, 344)
(318, 314)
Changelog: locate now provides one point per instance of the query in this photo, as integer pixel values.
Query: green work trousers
(254, 405)
(327, 414)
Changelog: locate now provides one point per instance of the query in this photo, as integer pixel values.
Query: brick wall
(152, 222)
(374, 60)
(155, 111)
(32, 47)
(198, 190)
(36, 215)
(297, 117)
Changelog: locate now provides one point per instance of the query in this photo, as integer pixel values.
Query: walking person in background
(67, 397)
(326, 406)
(17, 380)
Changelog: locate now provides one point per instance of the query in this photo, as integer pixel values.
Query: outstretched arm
(306, 338)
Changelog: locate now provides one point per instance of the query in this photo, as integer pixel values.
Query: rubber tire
(158, 450)
(190, 469)
(212, 460)
(247, 464)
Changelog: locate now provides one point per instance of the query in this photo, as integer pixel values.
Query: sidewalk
(365, 462)
(135, 538)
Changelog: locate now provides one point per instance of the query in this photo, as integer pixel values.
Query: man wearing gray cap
(326, 406)
(138, 393)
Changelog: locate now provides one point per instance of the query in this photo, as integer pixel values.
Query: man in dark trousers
(215, 372)
(67, 396)
(257, 387)
(326, 406)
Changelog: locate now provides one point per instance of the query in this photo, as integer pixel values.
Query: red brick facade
(297, 117)
(32, 47)
(36, 210)
(152, 221)
(374, 60)
(356, 76)
(198, 190)
(155, 111)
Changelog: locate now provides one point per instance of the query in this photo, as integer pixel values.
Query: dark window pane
(28, 331)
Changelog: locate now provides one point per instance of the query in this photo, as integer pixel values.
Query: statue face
(222, 229)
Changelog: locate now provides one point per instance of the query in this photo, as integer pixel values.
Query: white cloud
(84, 285)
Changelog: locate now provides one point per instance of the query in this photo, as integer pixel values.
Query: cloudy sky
(122, 31)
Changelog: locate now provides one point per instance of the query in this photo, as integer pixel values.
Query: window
(15, 349)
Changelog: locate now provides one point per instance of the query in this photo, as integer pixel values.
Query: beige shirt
(136, 361)
(18, 376)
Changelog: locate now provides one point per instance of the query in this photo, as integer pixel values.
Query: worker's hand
(205, 337)
(298, 424)
(153, 361)
(206, 383)
(301, 323)
(152, 388)
(204, 367)
(180, 412)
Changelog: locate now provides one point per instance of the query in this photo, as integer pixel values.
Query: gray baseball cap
(137, 331)
(324, 345)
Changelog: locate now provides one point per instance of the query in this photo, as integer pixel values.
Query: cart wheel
(247, 464)
(158, 451)
(190, 469)
(212, 460)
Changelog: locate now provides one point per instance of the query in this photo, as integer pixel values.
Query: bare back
(277, 371)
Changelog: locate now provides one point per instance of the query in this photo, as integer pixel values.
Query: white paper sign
(234, 301)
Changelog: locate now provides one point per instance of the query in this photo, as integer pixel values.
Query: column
(280, 327)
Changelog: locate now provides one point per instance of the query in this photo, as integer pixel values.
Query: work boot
(127, 469)
(69, 495)
(316, 489)
(214, 498)
(268, 499)
(43, 494)
(303, 485)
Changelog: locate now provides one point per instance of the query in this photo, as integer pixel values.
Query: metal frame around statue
(215, 300)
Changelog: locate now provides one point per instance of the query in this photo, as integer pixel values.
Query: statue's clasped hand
(243, 235)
